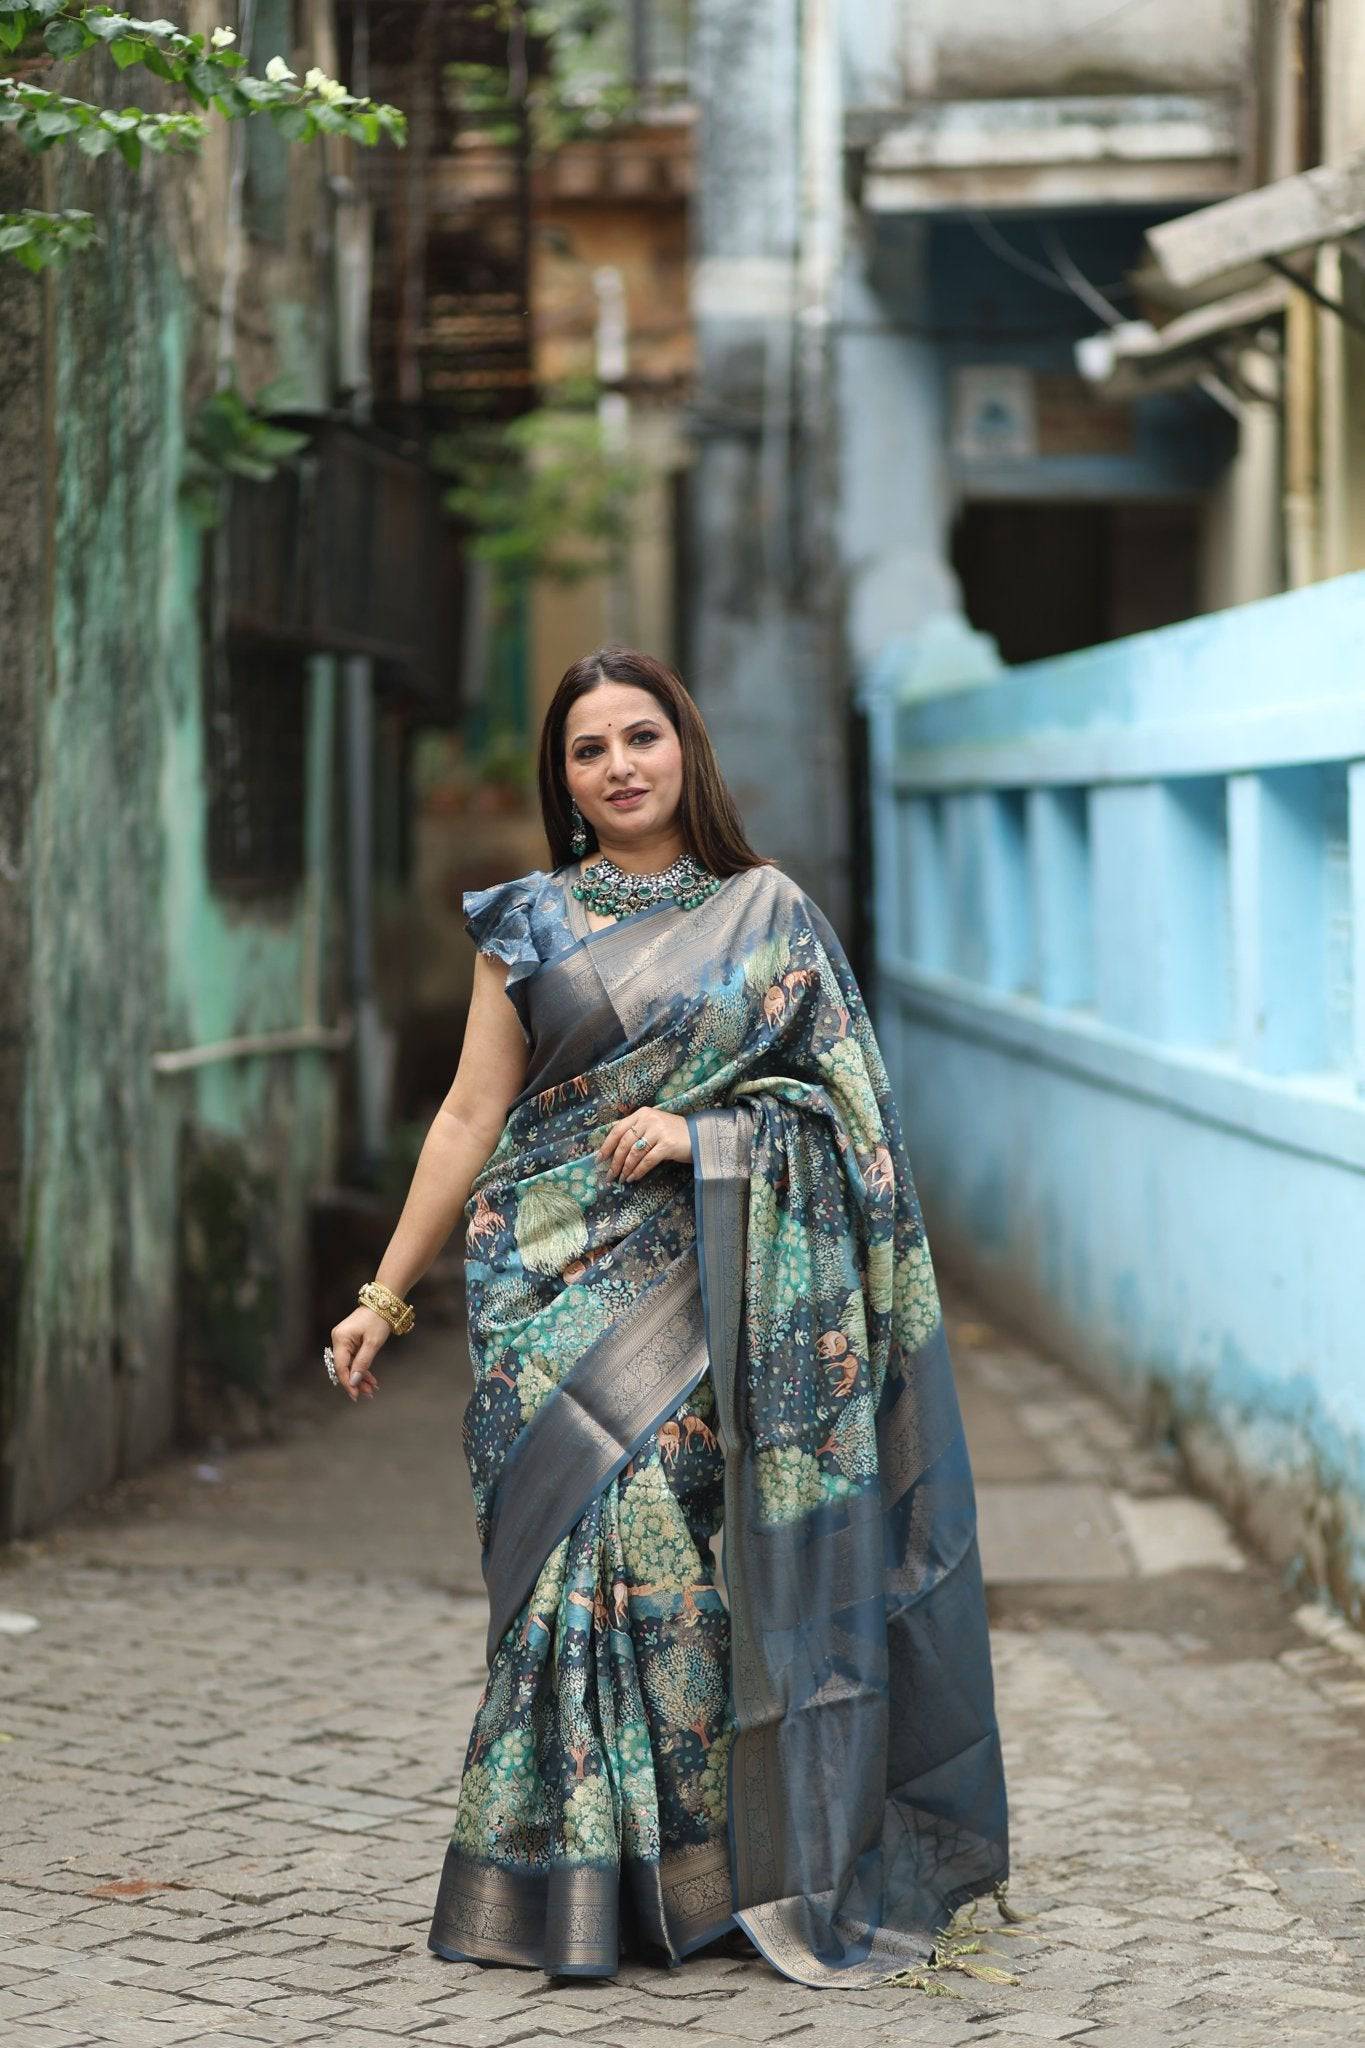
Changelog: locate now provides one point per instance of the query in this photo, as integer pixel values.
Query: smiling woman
(699, 1293)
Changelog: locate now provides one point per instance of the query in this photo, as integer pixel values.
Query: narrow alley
(233, 1737)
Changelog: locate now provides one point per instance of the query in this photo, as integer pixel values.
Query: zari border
(569, 1919)
(619, 1391)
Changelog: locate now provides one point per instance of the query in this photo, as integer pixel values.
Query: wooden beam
(1275, 220)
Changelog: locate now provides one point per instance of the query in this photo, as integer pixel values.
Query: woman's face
(623, 765)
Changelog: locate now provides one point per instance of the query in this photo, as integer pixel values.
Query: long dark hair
(707, 817)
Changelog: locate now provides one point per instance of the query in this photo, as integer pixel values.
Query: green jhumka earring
(579, 842)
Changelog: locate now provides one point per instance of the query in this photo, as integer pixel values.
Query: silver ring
(639, 1145)
(329, 1360)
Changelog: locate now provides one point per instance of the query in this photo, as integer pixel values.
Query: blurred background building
(969, 399)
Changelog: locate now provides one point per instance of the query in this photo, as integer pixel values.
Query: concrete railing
(1121, 985)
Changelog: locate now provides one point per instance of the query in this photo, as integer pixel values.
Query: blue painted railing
(1121, 986)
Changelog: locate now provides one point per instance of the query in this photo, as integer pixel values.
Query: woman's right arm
(467, 1126)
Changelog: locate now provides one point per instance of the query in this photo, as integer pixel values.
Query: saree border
(622, 1387)
(568, 1918)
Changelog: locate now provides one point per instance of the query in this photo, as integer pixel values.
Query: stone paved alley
(230, 1760)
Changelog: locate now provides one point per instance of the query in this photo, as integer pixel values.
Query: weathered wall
(114, 942)
(910, 49)
(23, 568)
(766, 602)
(1125, 1014)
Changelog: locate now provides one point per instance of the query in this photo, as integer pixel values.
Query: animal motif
(839, 1358)
(691, 1613)
(881, 1174)
(694, 1426)
(579, 1264)
(670, 1442)
(534, 1620)
(485, 1222)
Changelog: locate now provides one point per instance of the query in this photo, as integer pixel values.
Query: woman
(699, 1293)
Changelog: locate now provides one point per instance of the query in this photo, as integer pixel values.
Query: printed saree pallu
(754, 1339)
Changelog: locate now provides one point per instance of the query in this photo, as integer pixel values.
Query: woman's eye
(646, 736)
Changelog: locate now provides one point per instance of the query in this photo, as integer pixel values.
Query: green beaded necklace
(611, 892)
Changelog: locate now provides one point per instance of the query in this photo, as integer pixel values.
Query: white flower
(278, 72)
(315, 78)
(332, 90)
(223, 38)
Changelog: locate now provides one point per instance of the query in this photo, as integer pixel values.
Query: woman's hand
(666, 1137)
(354, 1344)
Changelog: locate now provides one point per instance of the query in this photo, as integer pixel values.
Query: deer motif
(534, 1620)
(691, 1613)
(620, 1600)
(485, 1222)
(580, 1263)
(881, 1174)
(694, 1426)
(839, 1358)
(670, 1441)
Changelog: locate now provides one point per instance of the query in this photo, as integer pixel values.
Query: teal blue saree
(804, 1744)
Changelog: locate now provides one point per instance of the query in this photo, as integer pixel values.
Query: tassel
(957, 1947)
(1003, 1906)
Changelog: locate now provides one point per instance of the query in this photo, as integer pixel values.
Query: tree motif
(917, 1308)
(590, 1822)
(685, 1682)
(789, 1482)
(550, 1228)
(657, 1541)
(715, 1774)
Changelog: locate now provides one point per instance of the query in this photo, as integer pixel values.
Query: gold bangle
(400, 1315)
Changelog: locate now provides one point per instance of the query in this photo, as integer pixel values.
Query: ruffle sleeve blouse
(523, 922)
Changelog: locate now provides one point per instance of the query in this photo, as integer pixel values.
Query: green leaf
(14, 237)
(13, 31)
(130, 149)
(294, 123)
(94, 141)
(67, 38)
(277, 444)
(125, 52)
(54, 121)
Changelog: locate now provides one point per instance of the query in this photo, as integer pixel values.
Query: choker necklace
(611, 892)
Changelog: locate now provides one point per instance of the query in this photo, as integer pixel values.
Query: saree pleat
(750, 1342)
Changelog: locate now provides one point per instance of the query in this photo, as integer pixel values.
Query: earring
(579, 842)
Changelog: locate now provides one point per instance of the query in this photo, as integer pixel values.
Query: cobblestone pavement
(229, 1764)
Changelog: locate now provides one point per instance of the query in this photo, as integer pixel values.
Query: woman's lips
(627, 799)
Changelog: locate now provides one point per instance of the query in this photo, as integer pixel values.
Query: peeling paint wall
(914, 49)
(115, 945)
(1125, 1018)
